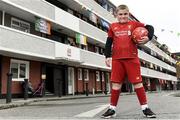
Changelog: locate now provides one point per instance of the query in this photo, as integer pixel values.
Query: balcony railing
(155, 74)
(151, 59)
(97, 9)
(15, 41)
(159, 51)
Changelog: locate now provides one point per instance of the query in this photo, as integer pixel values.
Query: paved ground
(164, 104)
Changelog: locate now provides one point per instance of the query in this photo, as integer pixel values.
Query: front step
(47, 93)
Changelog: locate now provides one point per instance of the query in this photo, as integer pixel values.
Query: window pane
(20, 25)
(16, 23)
(97, 76)
(86, 75)
(22, 71)
(14, 70)
(79, 74)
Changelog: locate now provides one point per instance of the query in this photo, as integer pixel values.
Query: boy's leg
(141, 94)
(115, 92)
(117, 77)
(134, 76)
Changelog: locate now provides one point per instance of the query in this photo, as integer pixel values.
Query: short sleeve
(138, 24)
(110, 32)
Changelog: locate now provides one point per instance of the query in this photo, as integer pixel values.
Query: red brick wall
(5, 70)
(16, 85)
(78, 83)
(80, 86)
(35, 73)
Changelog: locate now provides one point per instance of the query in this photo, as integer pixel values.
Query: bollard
(105, 85)
(87, 90)
(9, 85)
(25, 89)
(43, 88)
(60, 88)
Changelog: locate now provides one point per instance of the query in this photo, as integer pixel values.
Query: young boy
(125, 59)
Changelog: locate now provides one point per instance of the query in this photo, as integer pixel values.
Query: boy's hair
(122, 7)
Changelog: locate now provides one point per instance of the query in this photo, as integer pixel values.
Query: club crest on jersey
(129, 32)
(115, 28)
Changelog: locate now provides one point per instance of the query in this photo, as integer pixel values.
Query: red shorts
(123, 67)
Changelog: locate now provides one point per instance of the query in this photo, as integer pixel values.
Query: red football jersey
(123, 45)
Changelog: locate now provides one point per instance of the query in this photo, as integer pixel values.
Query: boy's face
(123, 16)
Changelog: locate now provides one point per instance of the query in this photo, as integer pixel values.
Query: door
(71, 80)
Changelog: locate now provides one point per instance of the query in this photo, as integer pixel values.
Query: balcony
(97, 9)
(71, 22)
(93, 60)
(155, 74)
(39, 7)
(17, 42)
(24, 45)
(160, 52)
(151, 59)
(67, 54)
(60, 19)
(29, 46)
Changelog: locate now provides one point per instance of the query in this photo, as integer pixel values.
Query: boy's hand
(108, 62)
(144, 40)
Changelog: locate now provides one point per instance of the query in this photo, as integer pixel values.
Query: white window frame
(79, 74)
(102, 75)
(86, 72)
(19, 26)
(101, 50)
(96, 49)
(27, 69)
(97, 76)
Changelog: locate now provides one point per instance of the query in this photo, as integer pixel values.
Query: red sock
(114, 97)
(141, 94)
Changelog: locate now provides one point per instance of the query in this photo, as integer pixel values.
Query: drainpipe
(3, 17)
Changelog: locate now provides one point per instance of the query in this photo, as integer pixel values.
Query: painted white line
(93, 112)
(169, 94)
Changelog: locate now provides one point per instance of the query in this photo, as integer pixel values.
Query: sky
(162, 14)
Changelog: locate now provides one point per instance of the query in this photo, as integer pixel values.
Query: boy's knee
(116, 86)
(138, 85)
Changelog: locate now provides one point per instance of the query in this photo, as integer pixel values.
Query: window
(19, 69)
(20, 25)
(86, 75)
(111, 10)
(79, 74)
(71, 41)
(96, 49)
(97, 76)
(70, 11)
(84, 47)
(84, 18)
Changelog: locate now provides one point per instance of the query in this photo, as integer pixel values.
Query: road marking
(92, 113)
(169, 94)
